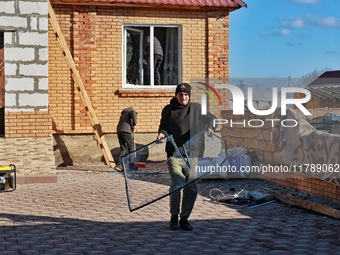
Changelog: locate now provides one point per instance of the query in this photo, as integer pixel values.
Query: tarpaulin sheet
(314, 152)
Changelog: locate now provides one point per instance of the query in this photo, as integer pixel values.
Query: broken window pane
(152, 55)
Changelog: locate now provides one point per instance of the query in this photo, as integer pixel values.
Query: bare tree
(311, 76)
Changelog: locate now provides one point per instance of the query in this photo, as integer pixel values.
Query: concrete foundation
(82, 150)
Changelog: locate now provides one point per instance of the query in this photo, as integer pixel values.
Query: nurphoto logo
(238, 104)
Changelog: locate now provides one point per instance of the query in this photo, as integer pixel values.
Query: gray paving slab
(86, 212)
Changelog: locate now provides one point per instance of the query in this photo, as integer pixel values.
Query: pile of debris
(242, 197)
(252, 193)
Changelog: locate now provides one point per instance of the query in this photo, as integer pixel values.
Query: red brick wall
(310, 186)
(218, 38)
(218, 57)
(304, 183)
(94, 36)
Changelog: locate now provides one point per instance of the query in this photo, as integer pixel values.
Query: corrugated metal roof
(203, 3)
(325, 92)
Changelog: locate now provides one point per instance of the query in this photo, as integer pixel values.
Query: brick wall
(253, 139)
(28, 141)
(33, 158)
(218, 57)
(94, 36)
(28, 144)
(28, 124)
(218, 39)
(26, 52)
(258, 140)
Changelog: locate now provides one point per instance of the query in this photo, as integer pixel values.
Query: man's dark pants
(126, 145)
(157, 73)
(158, 61)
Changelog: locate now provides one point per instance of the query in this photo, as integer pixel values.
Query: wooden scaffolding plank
(289, 199)
(81, 88)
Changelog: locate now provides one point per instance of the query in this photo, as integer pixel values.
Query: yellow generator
(8, 178)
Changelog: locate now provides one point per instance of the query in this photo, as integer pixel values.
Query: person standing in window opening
(182, 119)
(158, 59)
(126, 126)
(132, 70)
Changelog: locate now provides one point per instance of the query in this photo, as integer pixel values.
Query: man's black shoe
(174, 222)
(119, 168)
(184, 224)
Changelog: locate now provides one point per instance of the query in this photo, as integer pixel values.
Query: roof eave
(145, 5)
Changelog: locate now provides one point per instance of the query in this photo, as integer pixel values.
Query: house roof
(327, 85)
(329, 78)
(233, 4)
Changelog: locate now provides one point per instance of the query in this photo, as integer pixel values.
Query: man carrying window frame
(182, 119)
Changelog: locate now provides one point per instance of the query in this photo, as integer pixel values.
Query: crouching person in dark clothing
(182, 119)
(125, 128)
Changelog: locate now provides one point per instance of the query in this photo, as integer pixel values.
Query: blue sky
(282, 38)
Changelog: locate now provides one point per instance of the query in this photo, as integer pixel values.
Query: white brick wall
(7, 7)
(34, 23)
(20, 84)
(27, 109)
(13, 22)
(33, 70)
(10, 100)
(43, 54)
(43, 84)
(8, 39)
(20, 54)
(10, 69)
(34, 100)
(26, 53)
(33, 38)
(32, 7)
(43, 24)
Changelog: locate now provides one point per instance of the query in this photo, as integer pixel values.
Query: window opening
(151, 55)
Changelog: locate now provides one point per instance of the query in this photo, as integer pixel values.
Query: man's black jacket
(183, 122)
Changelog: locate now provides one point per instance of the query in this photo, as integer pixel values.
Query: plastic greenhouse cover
(149, 164)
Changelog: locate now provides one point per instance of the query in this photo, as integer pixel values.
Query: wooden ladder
(81, 88)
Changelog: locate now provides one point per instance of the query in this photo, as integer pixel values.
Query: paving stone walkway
(86, 212)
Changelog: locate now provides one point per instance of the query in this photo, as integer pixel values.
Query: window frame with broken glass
(137, 64)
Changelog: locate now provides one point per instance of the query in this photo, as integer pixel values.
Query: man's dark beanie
(183, 87)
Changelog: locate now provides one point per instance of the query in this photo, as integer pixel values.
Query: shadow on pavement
(273, 230)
